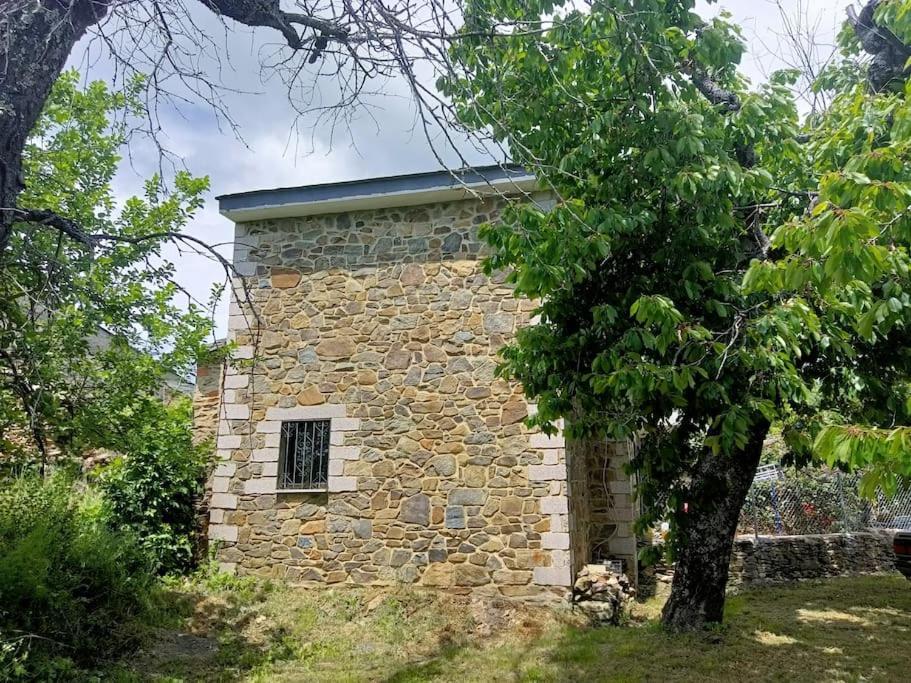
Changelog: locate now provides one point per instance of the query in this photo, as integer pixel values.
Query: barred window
(304, 455)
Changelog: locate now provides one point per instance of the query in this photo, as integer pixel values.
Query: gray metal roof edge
(412, 182)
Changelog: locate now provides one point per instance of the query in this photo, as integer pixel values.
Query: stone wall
(207, 401)
(206, 409)
(778, 559)
(601, 504)
(384, 323)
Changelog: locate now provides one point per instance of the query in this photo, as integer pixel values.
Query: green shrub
(12, 657)
(70, 584)
(153, 489)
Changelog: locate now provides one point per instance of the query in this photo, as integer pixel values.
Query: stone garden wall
(383, 322)
(778, 559)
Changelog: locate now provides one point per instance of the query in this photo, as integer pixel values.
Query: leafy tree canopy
(845, 257)
(667, 314)
(88, 333)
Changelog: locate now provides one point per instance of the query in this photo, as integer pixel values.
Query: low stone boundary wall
(777, 559)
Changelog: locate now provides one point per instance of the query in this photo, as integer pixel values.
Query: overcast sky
(273, 154)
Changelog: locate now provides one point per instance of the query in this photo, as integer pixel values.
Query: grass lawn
(849, 629)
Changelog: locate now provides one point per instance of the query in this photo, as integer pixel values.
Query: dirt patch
(167, 647)
(494, 617)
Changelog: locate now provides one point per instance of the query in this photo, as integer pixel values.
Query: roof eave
(279, 207)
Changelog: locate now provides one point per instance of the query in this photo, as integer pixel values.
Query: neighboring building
(363, 436)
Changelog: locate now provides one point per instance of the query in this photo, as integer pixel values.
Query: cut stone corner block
(541, 440)
(235, 411)
(554, 505)
(224, 501)
(555, 540)
(243, 353)
(223, 532)
(553, 576)
(547, 472)
(228, 442)
(237, 381)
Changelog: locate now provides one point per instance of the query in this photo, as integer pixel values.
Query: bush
(154, 488)
(70, 585)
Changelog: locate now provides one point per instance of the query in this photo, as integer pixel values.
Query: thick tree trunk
(36, 39)
(719, 488)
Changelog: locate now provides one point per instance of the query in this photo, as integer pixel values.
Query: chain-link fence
(817, 501)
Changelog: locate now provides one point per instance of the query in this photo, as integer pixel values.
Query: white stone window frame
(234, 411)
(339, 426)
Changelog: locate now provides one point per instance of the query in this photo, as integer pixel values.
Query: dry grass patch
(848, 629)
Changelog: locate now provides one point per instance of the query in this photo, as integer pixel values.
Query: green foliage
(645, 329)
(846, 259)
(89, 339)
(154, 488)
(87, 332)
(653, 322)
(69, 584)
(209, 578)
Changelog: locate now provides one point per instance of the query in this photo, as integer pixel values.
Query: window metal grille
(304, 455)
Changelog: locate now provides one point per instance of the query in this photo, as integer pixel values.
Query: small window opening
(304, 455)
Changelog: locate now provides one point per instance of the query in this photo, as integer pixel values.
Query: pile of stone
(664, 572)
(602, 594)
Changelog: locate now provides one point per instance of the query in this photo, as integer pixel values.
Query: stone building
(362, 434)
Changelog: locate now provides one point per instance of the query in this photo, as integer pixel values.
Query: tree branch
(50, 219)
(74, 231)
(713, 92)
(746, 155)
(889, 53)
(268, 13)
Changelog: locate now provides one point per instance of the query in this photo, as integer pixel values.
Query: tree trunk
(719, 488)
(36, 39)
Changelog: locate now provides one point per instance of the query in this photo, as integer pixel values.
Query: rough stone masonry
(383, 322)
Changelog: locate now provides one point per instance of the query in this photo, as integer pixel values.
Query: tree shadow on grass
(176, 655)
(839, 629)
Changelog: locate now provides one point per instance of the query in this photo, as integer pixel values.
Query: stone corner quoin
(382, 322)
